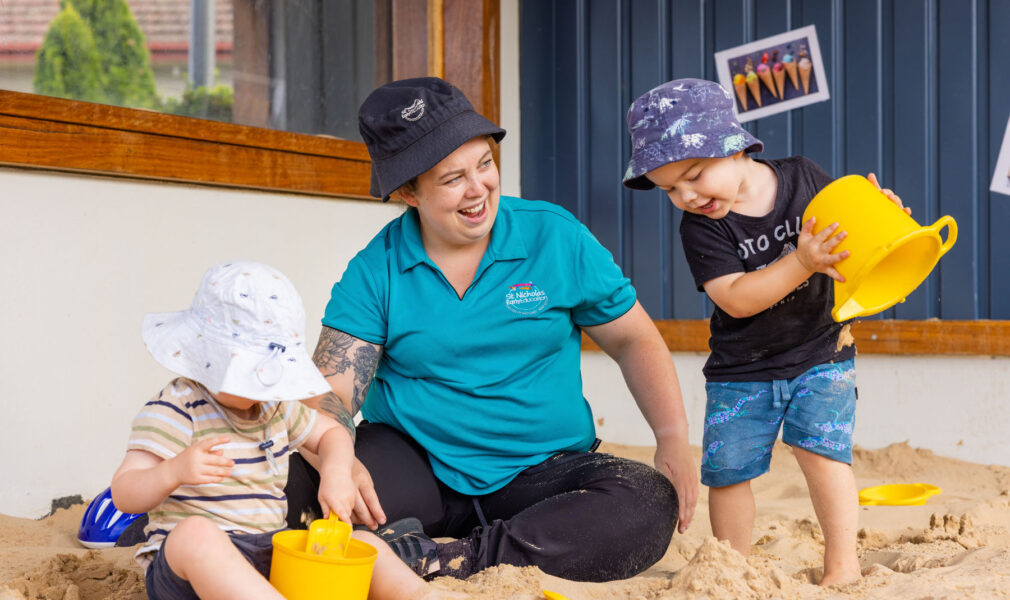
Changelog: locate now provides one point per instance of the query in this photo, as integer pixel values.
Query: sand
(955, 546)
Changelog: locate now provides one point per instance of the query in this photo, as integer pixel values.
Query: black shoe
(391, 531)
(417, 551)
(134, 532)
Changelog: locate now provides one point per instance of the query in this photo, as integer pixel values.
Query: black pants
(578, 515)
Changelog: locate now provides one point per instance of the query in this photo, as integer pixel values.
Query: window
(293, 67)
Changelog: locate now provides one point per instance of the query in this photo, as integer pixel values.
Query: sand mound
(717, 572)
(70, 577)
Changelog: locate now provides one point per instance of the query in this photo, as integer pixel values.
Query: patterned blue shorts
(816, 411)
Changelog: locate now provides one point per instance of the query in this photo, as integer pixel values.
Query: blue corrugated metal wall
(920, 95)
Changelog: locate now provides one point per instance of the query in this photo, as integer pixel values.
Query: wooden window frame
(67, 135)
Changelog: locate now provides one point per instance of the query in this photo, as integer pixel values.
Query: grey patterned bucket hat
(682, 119)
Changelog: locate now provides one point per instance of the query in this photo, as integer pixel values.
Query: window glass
(295, 65)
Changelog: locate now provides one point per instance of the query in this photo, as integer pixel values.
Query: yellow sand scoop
(328, 537)
(898, 494)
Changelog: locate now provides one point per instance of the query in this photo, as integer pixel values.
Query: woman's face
(457, 199)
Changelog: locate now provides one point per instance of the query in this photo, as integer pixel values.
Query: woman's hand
(678, 466)
(200, 463)
(889, 193)
(814, 251)
(367, 510)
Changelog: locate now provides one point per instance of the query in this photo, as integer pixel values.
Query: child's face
(234, 402)
(703, 186)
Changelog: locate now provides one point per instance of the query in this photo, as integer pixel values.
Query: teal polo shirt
(488, 384)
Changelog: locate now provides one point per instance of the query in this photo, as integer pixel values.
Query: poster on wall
(1001, 178)
(774, 74)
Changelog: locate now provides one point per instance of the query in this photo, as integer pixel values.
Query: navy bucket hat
(410, 125)
(682, 119)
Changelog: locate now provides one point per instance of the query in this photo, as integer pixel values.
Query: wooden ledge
(69, 135)
(980, 338)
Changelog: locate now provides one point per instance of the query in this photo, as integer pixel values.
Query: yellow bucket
(889, 253)
(298, 575)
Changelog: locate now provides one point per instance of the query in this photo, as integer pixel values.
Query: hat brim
(658, 154)
(176, 342)
(389, 174)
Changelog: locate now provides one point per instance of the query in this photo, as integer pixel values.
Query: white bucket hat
(243, 335)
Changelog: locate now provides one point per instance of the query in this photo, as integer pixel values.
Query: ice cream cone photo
(789, 62)
(752, 82)
(760, 71)
(740, 87)
(805, 67)
(779, 73)
(765, 73)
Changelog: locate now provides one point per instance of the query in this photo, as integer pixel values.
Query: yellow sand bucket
(299, 575)
(889, 253)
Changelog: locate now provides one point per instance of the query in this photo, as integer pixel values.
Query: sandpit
(955, 546)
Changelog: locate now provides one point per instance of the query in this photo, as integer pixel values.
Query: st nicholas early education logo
(525, 299)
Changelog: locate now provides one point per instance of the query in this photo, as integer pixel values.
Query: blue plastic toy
(103, 523)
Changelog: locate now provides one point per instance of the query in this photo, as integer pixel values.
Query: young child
(778, 359)
(208, 456)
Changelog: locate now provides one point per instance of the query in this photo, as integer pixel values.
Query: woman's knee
(652, 510)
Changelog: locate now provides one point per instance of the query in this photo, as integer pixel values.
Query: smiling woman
(456, 332)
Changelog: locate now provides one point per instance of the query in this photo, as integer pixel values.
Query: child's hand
(814, 251)
(200, 464)
(889, 193)
(337, 494)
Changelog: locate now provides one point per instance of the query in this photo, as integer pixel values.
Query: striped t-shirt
(252, 500)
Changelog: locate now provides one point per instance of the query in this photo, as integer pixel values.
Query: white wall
(509, 103)
(953, 405)
(83, 259)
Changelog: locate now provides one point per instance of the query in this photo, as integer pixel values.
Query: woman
(461, 322)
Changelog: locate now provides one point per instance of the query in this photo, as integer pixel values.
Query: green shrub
(95, 51)
(203, 102)
(126, 62)
(68, 64)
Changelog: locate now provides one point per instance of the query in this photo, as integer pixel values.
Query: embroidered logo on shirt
(413, 112)
(525, 299)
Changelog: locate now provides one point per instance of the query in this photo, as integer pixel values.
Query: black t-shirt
(796, 333)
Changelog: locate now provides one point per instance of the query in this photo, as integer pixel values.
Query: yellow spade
(328, 537)
(898, 494)
(553, 595)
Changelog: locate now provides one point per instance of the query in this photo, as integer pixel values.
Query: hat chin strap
(270, 370)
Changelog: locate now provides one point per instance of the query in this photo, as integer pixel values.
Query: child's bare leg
(390, 577)
(393, 580)
(731, 511)
(202, 554)
(833, 493)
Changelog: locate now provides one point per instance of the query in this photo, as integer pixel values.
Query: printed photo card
(774, 74)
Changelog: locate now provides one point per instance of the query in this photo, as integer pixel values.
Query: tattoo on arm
(338, 351)
(331, 405)
(331, 351)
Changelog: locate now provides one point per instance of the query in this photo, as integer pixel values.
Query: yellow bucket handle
(951, 225)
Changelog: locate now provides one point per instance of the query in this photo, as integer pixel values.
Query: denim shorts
(163, 584)
(815, 410)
